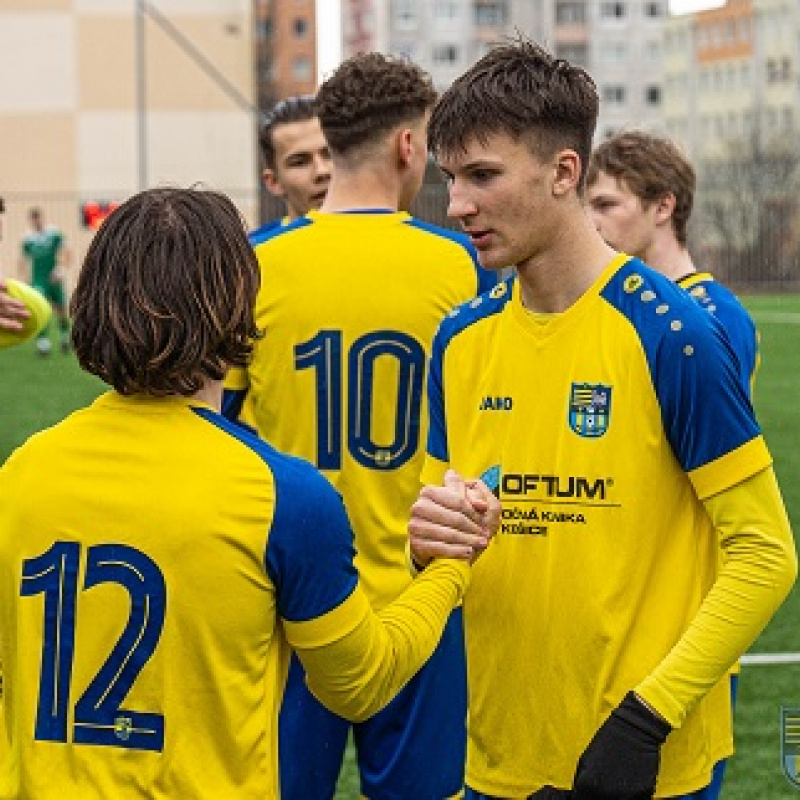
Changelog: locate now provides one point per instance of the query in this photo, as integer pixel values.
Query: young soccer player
(605, 407)
(351, 297)
(43, 248)
(297, 163)
(158, 561)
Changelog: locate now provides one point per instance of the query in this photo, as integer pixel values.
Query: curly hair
(519, 89)
(651, 167)
(368, 96)
(165, 297)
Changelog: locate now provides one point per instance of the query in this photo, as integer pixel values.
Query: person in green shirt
(43, 248)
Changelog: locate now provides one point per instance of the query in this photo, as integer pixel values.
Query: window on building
(574, 53)
(445, 54)
(301, 68)
(614, 52)
(652, 95)
(570, 12)
(491, 13)
(445, 10)
(654, 9)
(610, 10)
(300, 27)
(405, 13)
(614, 94)
(652, 50)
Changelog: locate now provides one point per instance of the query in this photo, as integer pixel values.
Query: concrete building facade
(618, 42)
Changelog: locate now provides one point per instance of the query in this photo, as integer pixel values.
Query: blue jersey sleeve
(704, 406)
(310, 549)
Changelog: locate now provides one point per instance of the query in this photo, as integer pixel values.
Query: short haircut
(651, 167)
(164, 301)
(521, 90)
(368, 96)
(292, 109)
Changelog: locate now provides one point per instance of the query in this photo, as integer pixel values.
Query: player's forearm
(359, 673)
(760, 567)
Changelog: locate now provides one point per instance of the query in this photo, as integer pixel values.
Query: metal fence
(770, 262)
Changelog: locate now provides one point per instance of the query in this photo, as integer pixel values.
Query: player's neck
(210, 395)
(361, 189)
(670, 258)
(553, 280)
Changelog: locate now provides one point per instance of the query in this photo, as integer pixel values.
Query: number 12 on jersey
(323, 353)
(98, 717)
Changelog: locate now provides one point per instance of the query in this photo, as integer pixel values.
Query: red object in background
(93, 212)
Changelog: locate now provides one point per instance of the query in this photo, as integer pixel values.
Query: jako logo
(496, 404)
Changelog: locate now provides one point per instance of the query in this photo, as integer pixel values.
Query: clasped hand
(456, 520)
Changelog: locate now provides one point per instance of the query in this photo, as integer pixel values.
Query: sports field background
(36, 392)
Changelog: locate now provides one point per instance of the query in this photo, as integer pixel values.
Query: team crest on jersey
(589, 409)
(790, 744)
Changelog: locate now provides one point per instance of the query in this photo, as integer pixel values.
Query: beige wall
(69, 110)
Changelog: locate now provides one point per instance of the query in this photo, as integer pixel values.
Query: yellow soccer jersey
(626, 407)
(349, 304)
(150, 592)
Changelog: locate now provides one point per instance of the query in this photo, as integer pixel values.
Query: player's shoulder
(665, 319)
(444, 234)
(477, 311)
(295, 479)
(716, 298)
(651, 300)
(274, 229)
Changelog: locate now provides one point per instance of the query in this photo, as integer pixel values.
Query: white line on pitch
(771, 658)
(778, 317)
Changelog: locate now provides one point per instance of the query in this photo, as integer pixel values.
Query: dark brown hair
(368, 96)
(519, 89)
(164, 301)
(651, 167)
(292, 109)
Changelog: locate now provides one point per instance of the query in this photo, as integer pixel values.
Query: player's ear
(566, 173)
(271, 183)
(665, 207)
(404, 146)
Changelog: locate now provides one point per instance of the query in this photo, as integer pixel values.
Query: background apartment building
(732, 100)
(286, 49)
(98, 101)
(618, 42)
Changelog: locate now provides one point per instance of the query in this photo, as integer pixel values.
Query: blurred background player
(23, 311)
(640, 192)
(351, 297)
(604, 406)
(170, 558)
(44, 250)
(297, 163)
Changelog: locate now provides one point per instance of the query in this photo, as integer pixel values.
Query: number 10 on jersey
(323, 353)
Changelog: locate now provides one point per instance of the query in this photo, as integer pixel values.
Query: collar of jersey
(386, 214)
(564, 319)
(687, 281)
(146, 402)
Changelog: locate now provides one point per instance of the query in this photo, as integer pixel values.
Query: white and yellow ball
(38, 307)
